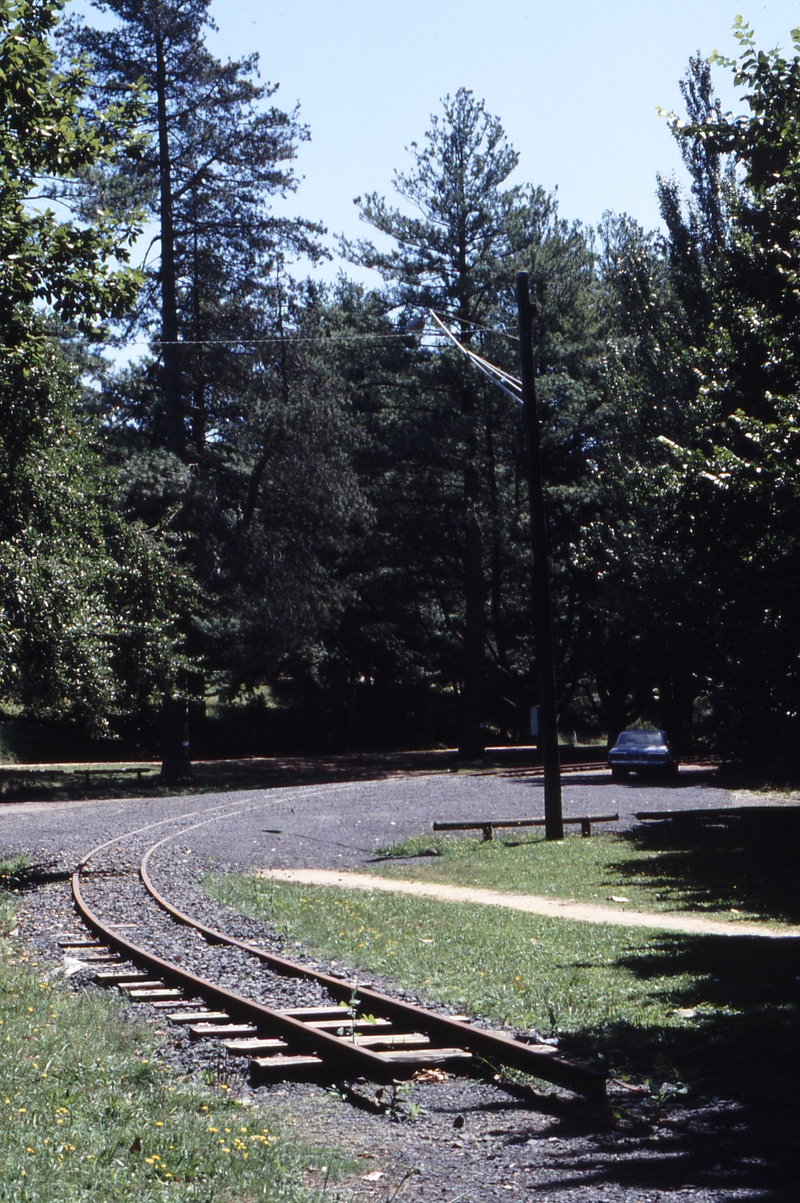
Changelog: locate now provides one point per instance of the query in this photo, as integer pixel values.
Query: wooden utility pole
(542, 619)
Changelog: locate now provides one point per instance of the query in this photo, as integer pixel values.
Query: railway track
(348, 1032)
(535, 772)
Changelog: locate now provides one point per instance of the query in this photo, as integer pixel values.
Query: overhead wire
(356, 336)
(498, 376)
(511, 385)
(401, 335)
(453, 317)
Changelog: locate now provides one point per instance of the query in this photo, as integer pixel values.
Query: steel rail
(535, 770)
(488, 1045)
(359, 1061)
(367, 1063)
(348, 1059)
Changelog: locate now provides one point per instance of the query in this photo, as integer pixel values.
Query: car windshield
(641, 738)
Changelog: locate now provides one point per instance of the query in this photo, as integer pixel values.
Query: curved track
(353, 1032)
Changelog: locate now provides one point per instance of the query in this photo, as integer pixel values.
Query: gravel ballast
(458, 1139)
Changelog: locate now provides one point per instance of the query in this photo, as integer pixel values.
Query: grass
(88, 1111)
(520, 970)
(717, 1010)
(726, 876)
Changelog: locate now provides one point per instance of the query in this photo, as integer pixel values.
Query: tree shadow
(722, 1109)
(690, 777)
(745, 860)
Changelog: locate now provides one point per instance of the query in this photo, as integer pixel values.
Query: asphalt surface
(340, 825)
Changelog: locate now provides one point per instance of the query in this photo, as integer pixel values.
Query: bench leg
(487, 833)
(586, 828)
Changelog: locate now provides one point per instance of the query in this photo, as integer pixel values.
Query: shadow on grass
(722, 1111)
(738, 1030)
(746, 861)
(21, 783)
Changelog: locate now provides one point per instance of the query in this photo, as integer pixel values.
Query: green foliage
(86, 601)
(87, 1107)
(450, 497)
(734, 465)
(215, 151)
(43, 138)
(270, 497)
(464, 246)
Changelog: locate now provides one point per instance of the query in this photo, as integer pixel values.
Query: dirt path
(534, 904)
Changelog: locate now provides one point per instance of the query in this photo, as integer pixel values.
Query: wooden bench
(24, 773)
(487, 825)
(112, 771)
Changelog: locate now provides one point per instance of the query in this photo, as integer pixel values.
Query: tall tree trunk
(198, 358)
(676, 691)
(199, 410)
(429, 721)
(350, 712)
(173, 401)
(175, 762)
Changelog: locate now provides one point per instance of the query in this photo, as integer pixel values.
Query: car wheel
(619, 774)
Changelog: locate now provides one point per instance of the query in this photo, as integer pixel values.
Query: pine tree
(453, 255)
(736, 467)
(216, 152)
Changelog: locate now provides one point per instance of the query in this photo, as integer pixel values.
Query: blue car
(641, 752)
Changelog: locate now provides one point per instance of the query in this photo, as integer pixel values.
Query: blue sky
(575, 83)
